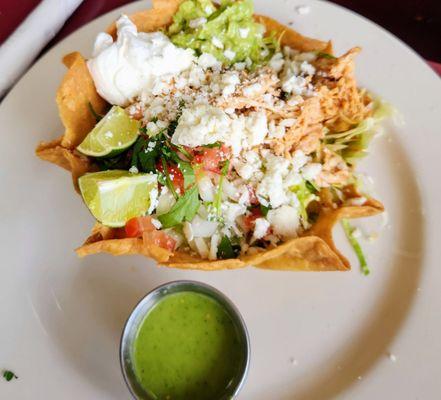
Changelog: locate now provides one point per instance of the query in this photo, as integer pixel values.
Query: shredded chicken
(334, 170)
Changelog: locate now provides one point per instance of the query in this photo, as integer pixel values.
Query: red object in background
(12, 14)
(418, 23)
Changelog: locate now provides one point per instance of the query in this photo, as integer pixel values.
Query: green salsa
(187, 347)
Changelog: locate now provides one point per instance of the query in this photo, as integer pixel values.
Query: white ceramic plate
(314, 335)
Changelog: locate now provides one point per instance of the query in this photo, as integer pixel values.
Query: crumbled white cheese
(294, 84)
(299, 159)
(277, 61)
(261, 226)
(244, 196)
(252, 90)
(156, 223)
(280, 175)
(201, 125)
(230, 211)
(133, 170)
(197, 22)
(204, 124)
(207, 60)
(256, 127)
(153, 200)
(217, 42)
(230, 54)
(311, 171)
(229, 81)
(303, 10)
(270, 190)
(276, 131)
(249, 167)
(243, 32)
(264, 53)
(307, 68)
(285, 221)
(240, 66)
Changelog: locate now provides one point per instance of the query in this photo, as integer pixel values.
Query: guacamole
(228, 32)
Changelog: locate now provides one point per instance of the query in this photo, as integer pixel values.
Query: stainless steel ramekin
(150, 300)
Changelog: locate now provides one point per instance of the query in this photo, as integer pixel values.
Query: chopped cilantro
(145, 153)
(326, 55)
(311, 187)
(168, 181)
(184, 209)
(9, 375)
(264, 209)
(284, 96)
(228, 248)
(213, 145)
(183, 151)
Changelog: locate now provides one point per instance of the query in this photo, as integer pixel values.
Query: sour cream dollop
(133, 63)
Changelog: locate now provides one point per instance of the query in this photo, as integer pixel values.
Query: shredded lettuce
(305, 192)
(228, 32)
(218, 199)
(349, 231)
(352, 144)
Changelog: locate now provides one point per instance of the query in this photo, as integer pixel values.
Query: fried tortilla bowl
(313, 251)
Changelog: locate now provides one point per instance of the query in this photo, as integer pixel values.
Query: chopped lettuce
(305, 192)
(218, 198)
(228, 32)
(349, 231)
(352, 144)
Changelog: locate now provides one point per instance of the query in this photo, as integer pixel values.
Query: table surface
(416, 22)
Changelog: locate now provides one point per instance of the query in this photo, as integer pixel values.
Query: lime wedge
(113, 197)
(112, 135)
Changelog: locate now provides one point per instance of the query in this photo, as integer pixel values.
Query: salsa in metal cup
(187, 344)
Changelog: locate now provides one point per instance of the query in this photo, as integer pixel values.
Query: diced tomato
(135, 227)
(175, 175)
(210, 158)
(161, 239)
(249, 220)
